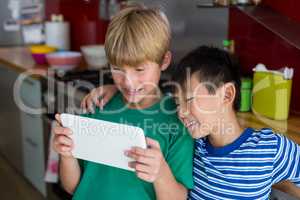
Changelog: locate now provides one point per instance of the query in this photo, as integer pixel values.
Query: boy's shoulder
(252, 140)
(269, 140)
(264, 136)
(267, 135)
(263, 133)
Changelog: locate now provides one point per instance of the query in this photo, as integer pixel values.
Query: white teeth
(191, 124)
(134, 91)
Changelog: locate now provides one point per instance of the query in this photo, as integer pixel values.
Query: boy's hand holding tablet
(62, 142)
(149, 163)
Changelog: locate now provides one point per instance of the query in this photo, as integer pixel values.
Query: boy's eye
(116, 69)
(189, 99)
(140, 69)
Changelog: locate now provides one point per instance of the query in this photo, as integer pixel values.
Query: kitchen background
(267, 33)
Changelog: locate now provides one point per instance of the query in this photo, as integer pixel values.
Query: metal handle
(31, 142)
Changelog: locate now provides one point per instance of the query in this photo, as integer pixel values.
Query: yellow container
(42, 49)
(271, 95)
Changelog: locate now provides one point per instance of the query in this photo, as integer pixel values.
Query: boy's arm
(166, 187)
(69, 171)
(289, 188)
(286, 172)
(177, 177)
(151, 166)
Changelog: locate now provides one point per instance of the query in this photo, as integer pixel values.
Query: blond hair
(137, 34)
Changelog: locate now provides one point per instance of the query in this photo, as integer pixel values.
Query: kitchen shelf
(277, 23)
(200, 5)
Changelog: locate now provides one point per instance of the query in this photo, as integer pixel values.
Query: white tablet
(102, 141)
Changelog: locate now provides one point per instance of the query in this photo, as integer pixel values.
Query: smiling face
(211, 94)
(199, 110)
(136, 46)
(137, 84)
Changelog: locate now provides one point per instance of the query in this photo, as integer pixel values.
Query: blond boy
(137, 48)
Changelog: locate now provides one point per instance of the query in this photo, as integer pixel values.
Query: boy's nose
(130, 79)
(127, 80)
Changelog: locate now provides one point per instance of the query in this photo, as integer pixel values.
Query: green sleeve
(180, 156)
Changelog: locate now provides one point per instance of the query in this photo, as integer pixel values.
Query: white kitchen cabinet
(33, 150)
(33, 135)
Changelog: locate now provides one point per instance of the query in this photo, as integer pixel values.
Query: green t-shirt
(159, 122)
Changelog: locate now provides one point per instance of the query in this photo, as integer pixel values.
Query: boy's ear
(229, 93)
(166, 61)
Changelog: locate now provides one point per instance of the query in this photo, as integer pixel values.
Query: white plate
(102, 141)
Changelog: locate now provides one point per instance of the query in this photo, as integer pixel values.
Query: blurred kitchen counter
(290, 127)
(20, 60)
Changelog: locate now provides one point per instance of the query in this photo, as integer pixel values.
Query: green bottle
(246, 92)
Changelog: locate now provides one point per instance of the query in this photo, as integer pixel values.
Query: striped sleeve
(286, 164)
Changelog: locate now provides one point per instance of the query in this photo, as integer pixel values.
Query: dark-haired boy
(229, 162)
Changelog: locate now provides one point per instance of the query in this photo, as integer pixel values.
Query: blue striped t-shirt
(245, 169)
